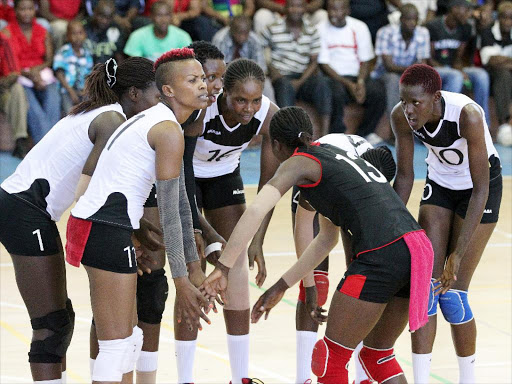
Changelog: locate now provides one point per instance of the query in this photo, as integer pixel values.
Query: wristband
(213, 247)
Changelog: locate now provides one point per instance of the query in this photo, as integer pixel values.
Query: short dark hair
(205, 51)
(163, 63)
(424, 75)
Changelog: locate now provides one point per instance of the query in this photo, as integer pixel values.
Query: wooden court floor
(273, 341)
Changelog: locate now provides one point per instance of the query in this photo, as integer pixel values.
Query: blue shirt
(391, 43)
(76, 68)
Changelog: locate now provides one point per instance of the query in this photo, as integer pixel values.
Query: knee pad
(330, 362)
(117, 357)
(379, 364)
(52, 349)
(432, 299)
(455, 307)
(152, 292)
(322, 287)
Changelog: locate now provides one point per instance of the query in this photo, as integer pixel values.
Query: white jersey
(350, 143)
(448, 162)
(47, 177)
(125, 173)
(219, 147)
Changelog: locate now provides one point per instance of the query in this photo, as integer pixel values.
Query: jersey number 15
(369, 174)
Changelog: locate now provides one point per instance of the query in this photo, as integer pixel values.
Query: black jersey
(355, 196)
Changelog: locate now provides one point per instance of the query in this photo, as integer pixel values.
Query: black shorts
(295, 198)
(379, 275)
(26, 230)
(110, 248)
(458, 201)
(151, 200)
(220, 191)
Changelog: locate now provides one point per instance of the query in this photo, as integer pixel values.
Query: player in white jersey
(460, 203)
(147, 148)
(43, 187)
(229, 124)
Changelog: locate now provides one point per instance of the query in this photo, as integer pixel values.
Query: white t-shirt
(344, 49)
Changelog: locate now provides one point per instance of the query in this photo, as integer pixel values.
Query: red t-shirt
(8, 62)
(179, 6)
(65, 9)
(29, 53)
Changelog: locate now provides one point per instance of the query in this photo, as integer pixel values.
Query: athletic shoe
(251, 381)
(308, 381)
(367, 381)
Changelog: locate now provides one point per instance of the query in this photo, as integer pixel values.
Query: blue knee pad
(455, 307)
(432, 300)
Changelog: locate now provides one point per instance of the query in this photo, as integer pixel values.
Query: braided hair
(242, 70)
(164, 63)
(292, 127)
(205, 51)
(382, 159)
(108, 81)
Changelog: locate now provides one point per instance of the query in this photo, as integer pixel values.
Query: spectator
(126, 12)
(496, 54)
(155, 39)
(32, 48)
(449, 36)
(105, 39)
(223, 10)
(238, 40)
(426, 11)
(59, 13)
(397, 47)
(345, 56)
(72, 63)
(13, 101)
(7, 14)
(269, 11)
(374, 13)
(186, 14)
(294, 45)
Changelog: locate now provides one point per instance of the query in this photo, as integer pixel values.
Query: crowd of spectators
(326, 53)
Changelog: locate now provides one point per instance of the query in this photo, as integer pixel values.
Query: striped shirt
(291, 56)
(390, 42)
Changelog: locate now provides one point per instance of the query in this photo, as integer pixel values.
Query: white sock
(238, 348)
(306, 341)
(64, 377)
(421, 367)
(185, 352)
(466, 369)
(147, 362)
(54, 381)
(360, 372)
(91, 365)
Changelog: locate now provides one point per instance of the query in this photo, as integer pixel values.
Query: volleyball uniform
(43, 186)
(217, 157)
(449, 183)
(353, 144)
(355, 196)
(116, 195)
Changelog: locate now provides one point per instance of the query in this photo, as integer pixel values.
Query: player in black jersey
(460, 203)
(39, 260)
(388, 278)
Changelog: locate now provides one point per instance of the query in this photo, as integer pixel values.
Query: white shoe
(504, 136)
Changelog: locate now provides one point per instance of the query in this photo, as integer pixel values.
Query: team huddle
(151, 161)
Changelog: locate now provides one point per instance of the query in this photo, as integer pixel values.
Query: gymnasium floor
(273, 341)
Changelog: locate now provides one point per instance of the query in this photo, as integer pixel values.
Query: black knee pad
(52, 349)
(152, 292)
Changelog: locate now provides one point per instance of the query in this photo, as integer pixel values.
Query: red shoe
(251, 381)
(366, 381)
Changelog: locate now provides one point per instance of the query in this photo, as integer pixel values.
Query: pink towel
(422, 261)
(77, 235)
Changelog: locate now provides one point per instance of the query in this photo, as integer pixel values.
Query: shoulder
(176, 31)
(356, 23)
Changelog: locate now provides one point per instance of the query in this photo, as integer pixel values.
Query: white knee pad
(117, 357)
(238, 285)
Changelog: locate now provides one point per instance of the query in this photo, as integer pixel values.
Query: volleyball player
(146, 148)
(392, 255)
(239, 113)
(314, 290)
(460, 203)
(43, 186)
